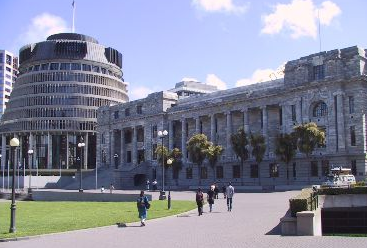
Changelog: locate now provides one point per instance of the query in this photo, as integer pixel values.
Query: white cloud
(262, 75)
(300, 17)
(42, 26)
(212, 79)
(139, 92)
(219, 6)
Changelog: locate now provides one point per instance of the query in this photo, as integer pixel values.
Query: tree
(197, 146)
(286, 149)
(176, 156)
(257, 142)
(308, 136)
(240, 146)
(166, 155)
(212, 154)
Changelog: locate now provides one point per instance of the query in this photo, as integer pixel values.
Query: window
(36, 68)
(65, 66)
(86, 67)
(273, 170)
(280, 116)
(54, 66)
(128, 157)
(351, 105)
(353, 136)
(325, 167)
(201, 127)
(104, 71)
(354, 166)
(95, 68)
(154, 154)
(116, 114)
(154, 131)
(128, 136)
(141, 156)
(103, 140)
(320, 109)
(261, 119)
(140, 134)
(236, 171)
(254, 171)
(9, 69)
(75, 66)
(44, 67)
(318, 72)
(8, 59)
(203, 172)
(314, 169)
(294, 116)
(294, 170)
(219, 172)
(139, 109)
(127, 112)
(189, 173)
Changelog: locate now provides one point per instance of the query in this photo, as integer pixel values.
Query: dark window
(294, 115)
(187, 129)
(86, 67)
(154, 148)
(141, 156)
(65, 66)
(75, 66)
(351, 105)
(116, 114)
(36, 68)
(54, 66)
(318, 72)
(128, 157)
(320, 109)
(203, 172)
(236, 171)
(354, 166)
(104, 70)
(314, 169)
(216, 125)
(127, 112)
(95, 68)
(219, 171)
(280, 116)
(140, 135)
(44, 67)
(154, 131)
(254, 171)
(261, 119)
(273, 170)
(139, 109)
(103, 140)
(189, 173)
(128, 137)
(325, 167)
(201, 127)
(352, 136)
(8, 59)
(294, 169)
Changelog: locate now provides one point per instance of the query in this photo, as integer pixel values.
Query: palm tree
(197, 146)
(286, 149)
(240, 146)
(176, 156)
(162, 152)
(212, 154)
(308, 136)
(257, 142)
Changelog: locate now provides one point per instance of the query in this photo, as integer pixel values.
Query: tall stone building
(53, 106)
(328, 88)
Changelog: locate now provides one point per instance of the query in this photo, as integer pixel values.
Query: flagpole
(73, 28)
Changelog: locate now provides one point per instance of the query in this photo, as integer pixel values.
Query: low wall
(36, 182)
(39, 195)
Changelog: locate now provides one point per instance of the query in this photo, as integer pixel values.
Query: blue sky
(227, 43)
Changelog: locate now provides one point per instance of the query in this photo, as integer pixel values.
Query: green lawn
(34, 218)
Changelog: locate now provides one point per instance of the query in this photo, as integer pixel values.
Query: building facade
(328, 88)
(8, 75)
(53, 106)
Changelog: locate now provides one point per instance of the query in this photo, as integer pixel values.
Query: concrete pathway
(253, 222)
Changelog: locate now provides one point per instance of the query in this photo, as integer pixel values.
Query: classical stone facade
(328, 88)
(53, 106)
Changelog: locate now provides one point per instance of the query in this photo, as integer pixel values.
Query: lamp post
(14, 143)
(3, 168)
(161, 135)
(116, 156)
(81, 145)
(169, 162)
(30, 166)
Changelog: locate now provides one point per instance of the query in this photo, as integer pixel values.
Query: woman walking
(143, 205)
(200, 201)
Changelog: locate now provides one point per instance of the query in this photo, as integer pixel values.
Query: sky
(227, 43)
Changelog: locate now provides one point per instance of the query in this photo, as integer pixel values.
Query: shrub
(342, 191)
(301, 202)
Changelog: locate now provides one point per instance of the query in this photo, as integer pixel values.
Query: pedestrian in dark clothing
(200, 201)
(143, 205)
(216, 191)
(224, 189)
(229, 193)
(211, 196)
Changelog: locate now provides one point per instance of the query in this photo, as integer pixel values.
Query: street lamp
(161, 135)
(169, 162)
(30, 166)
(116, 156)
(81, 145)
(2, 170)
(14, 143)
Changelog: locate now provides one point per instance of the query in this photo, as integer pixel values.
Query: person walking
(210, 197)
(224, 189)
(216, 192)
(229, 193)
(111, 188)
(143, 205)
(147, 184)
(154, 184)
(200, 201)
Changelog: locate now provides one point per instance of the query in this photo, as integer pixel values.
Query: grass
(35, 218)
(347, 234)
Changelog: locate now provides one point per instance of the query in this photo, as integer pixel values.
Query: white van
(339, 177)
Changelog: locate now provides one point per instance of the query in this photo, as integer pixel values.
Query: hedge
(301, 202)
(342, 191)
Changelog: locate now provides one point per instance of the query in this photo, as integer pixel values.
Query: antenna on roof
(73, 27)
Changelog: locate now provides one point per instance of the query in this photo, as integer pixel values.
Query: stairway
(104, 178)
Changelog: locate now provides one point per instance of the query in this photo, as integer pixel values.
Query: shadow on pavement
(275, 231)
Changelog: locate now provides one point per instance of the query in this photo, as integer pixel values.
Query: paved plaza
(253, 222)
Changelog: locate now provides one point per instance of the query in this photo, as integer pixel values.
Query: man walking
(229, 193)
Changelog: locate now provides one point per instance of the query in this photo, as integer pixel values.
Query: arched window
(320, 109)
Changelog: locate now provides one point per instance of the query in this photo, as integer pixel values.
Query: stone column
(340, 120)
(3, 151)
(135, 144)
(212, 129)
(183, 139)
(49, 151)
(170, 135)
(111, 147)
(265, 129)
(122, 148)
(298, 112)
(85, 151)
(228, 135)
(246, 126)
(197, 125)
(284, 118)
